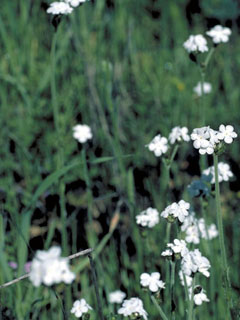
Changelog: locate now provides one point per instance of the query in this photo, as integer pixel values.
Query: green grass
(112, 74)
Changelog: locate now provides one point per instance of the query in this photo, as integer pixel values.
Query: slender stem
(171, 289)
(209, 56)
(93, 270)
(202, 105)
(225, 269)
(191, 302)
(162, 314)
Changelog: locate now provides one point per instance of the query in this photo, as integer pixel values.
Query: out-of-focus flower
(82, 133)
(196, 43)
(14, 265)
(59, 8)
(226, 133)
(179, 134)
(193, 262)
(187, 278)
(207, 88)
(219, 34)
(49, 268)
(152, 281)
(199, 295)
(75, 3)
(198, 188)
(133, 306)
(80, 307)
(148, 218)
(116, 296)
(224, 173)
(176, 211)
(159, 145)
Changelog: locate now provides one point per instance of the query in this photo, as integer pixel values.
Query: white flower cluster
(207, 88)
(158, 145)
(133, 306)
(175, 211)
(196, 229)
(49, 268)
(206, 139)
(152, 281)
(82, 133)
(178, 248)
(64, 7)
(219, 34)
(199, 295)
(194, 262)
(224, 173)
(179, 134)
(148, 218)
(80, 307)
(196, 44)
(116, 296)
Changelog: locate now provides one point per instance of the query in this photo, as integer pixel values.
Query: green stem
(162, 314)
(171, 289)
(191, 302)
(209, 56)
(225, 269)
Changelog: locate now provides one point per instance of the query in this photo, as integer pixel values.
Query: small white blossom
(202, 140)
(219, 34)
(159, 145)
(224, 173)
(82, 133)
(226, 133)
(176, 211)
(207, 88)
(187, 278)
(178, 247)
(179, 134)
(49, 268)
(133, 306)
(116, 296)
(59, 8)
(80, 307)
(75, 3)
(167, 253)
(193, 262)
(152, 281)
(148, 218)
(196, 44)
(199, 295)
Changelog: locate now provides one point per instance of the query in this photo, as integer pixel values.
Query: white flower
(179, 134)
(192, 235)
(226, 133)
(193, 262)
(199, 295)
(196, 44)
(167, 253)
(187, 278)
(152, 281)
(80, 307)
(133, 306)
(207, 232)
(49, 268)
(219, 34)
(207, 88)
(116, 296)
(201, 140)
(158, 145)
(75, 3)
(176, 211)
(178, 247)
(59, 8)
(224, 173)
(82, 133)
(148, 218)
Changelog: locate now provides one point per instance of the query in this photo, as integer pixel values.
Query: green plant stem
(162, 314)
(225, 269)
(191, 302)
(173, 264)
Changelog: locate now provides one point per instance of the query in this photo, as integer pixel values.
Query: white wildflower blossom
(199, 295)
(219, 34)
(152, 281)
(196, 43)
(167, 253)
(82, 133)
(148, 218)
(224, 173)
(187, 279)
(178, 211)
(193, 262)
(207, 88)
(226, 133)
(179, 247)
(116, 296)
(49, 268)
(133, 306)
(179, 134)
(80, 307)
(75, 3)
(59, 8)
(202, 140)
(159, 145)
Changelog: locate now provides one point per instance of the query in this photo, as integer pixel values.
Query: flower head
(152, 281)
(82, 133)
(75, 3)
(49, 268)
(80, 307)
(179, 134)
(199, 295)
(148, 218)
(116, 296)
(219, 34)
(207, 88)
(224, 173)
(176, 211)
(196, 44)
(226, 133)
(133, 306)
(159, 145)
(59, 8)
(193, 262)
